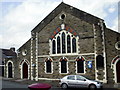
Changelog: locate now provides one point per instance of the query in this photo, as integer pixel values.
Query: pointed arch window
(63, 43)
(63, 65)
(74, 45)
(58, 45)
(68, 44)
(80, 65)
(99, 61)
(48, 66)
(53, 47)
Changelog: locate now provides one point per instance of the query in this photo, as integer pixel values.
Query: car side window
(80, 78)
(71, 77)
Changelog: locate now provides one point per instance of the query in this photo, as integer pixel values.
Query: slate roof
(8, 53)
(68, 9)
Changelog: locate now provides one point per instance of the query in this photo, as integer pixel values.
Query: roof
(68, 9)
(8, 53)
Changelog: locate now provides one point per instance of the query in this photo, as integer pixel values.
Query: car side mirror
(84, 79)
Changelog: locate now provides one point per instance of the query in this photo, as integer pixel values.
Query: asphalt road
(9, 85)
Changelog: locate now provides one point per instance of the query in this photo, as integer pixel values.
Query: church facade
(69, 41)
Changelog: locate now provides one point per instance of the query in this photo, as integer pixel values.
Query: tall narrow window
(63, 66)
(99, 61)
(48, 66)
(58, 45)
(68, 44)
(80, 65)
(53, 47)
(63, 43)
(74, 45)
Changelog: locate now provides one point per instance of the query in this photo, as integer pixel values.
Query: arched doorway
(10, 70)
(25, 70)
(118, 71)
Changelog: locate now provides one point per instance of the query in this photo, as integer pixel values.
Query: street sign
(89, 64)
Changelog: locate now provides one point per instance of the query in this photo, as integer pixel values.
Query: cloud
(19, 20)
(112, 9)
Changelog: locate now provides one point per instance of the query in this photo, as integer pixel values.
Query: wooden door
(118, 71)
(25, 70)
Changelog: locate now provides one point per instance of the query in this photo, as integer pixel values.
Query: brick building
(70, 41)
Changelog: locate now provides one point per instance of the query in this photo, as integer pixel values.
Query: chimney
(12, 49)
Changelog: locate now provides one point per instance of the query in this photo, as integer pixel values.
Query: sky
(19, 17)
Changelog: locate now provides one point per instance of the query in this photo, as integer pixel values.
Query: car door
(81, 81)
(71, 81)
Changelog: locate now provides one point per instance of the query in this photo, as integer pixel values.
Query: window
(80, 78)
(71, 77)
(68, 44)
(53, 47)
(117, 45)
(74, 45)
(48, 66)
(24, 52)
(63, 65)
(99, 61)
(58, 45)
(80, 65)
(63, 43)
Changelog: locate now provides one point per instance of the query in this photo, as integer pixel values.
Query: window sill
(65, 54)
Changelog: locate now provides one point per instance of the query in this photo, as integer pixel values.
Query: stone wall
(111, 38)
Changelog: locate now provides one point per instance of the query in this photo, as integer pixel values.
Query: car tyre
(92, 87)
(64, 86)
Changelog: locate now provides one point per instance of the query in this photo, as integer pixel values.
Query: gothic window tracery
(64, 41)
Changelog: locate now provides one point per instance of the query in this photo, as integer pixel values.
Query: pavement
(53, 83)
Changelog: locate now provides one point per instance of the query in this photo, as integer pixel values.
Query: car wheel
(92, 87)
(64, 86)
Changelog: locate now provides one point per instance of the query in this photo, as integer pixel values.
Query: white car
(79, 81)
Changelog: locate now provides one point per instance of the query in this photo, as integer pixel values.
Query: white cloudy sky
(19, 17)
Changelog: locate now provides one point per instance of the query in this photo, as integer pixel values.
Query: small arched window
(74, 45)
(63, 43)
(80, 65)
(53, 47)
(68, 44)
(63, 65)
(58, 45)
(48, 66)
(99, 61)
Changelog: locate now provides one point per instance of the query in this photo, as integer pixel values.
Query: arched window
(58, 45)
(63, 43)
(63, 65)
(68, 44)
(53, 47)
(74, 45)
(99, 61)
(80, 65)
(48, 66)
(10, 75)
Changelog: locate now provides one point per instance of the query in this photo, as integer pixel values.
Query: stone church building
(68, 41)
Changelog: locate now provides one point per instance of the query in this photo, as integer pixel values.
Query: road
(9, 85)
